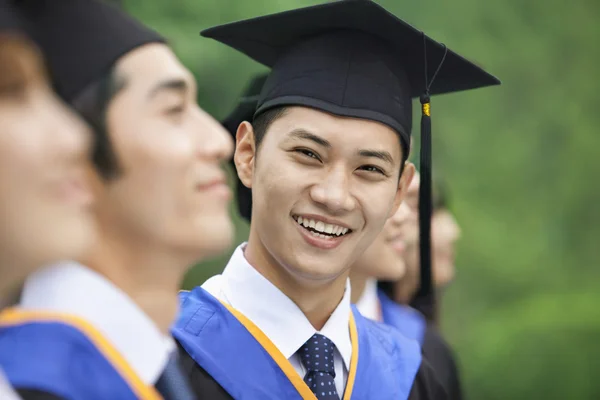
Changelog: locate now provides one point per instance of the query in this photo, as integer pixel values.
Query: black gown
(425, 387)
(439, 354)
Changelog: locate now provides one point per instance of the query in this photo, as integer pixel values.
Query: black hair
(92, 104)
(263, 121)
(441, 197)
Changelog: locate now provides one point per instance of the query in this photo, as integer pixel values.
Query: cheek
(155, 152)
(23, 152)
(277, 182)
(376, 201)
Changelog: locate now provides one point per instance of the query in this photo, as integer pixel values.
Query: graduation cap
(244, 111)
(353, 58)
(9, 20)
(82, 39)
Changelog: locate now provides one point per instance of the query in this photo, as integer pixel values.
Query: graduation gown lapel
(407, 320)
(247, 365)
(65, 356)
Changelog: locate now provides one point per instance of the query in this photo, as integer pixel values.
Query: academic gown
(49, 356)
(227, 357)
(435, 349)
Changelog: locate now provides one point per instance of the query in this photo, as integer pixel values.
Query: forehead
(339, 131)
(150, 63)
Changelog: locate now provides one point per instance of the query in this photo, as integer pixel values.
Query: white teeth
(320, 226)
(328, 229)
(315, 234)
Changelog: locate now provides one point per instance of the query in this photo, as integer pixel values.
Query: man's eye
(308, 153)
(372, 168)
(175, 110)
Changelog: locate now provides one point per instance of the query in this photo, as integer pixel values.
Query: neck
(316, 299)
(11, 281)
(149, 275)
(9, 295)
(406, 288)
(358, 281)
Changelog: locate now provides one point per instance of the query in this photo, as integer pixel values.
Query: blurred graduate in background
(162, 205)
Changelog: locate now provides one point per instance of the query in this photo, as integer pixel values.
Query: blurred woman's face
(45, 202)
(444, 234)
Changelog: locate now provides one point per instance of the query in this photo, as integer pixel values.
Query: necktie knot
(317, 357)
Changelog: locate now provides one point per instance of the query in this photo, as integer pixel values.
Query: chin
(315, 270)
(66, 240)
(212, 237)
(76, 238)
(392, 275)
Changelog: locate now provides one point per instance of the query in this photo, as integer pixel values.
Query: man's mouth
(321, 229)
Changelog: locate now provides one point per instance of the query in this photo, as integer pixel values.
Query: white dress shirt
(73, 289)
(6, 391)
(368, 303)
(278, 317)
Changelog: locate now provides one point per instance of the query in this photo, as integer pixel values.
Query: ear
(407, 176)
(245, 153)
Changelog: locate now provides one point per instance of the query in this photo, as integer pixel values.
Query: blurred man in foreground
(162, 206)
(44, 198)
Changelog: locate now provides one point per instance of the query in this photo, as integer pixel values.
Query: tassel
(424, 300)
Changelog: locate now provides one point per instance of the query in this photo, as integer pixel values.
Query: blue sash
(248, 366)
(407, 320)
(66, 357)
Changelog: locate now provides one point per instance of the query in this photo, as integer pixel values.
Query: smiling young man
(99, 329)
(384, 259)
(325, 157)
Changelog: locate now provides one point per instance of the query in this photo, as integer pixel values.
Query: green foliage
(521, 162)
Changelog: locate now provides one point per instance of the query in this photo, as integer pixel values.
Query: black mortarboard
(244, 111)
(353, 58)
(9, 20)
(82, 39)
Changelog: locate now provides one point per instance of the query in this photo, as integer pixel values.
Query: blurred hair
(92, 104)
(441, 200)
(20, 65)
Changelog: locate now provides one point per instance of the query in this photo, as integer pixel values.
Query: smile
(321, 229)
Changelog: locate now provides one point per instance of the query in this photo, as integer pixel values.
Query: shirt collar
(74, 289)
(276, 315)
(368, 303)
(6, 391)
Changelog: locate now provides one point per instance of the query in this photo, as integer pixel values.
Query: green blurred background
(521, 163)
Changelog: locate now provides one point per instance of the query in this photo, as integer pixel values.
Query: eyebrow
(176, 84)
(382, 155)
(304, 134)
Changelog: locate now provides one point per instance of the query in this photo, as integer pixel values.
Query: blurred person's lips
(216, 186)
(74, 189)
(397, 243)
